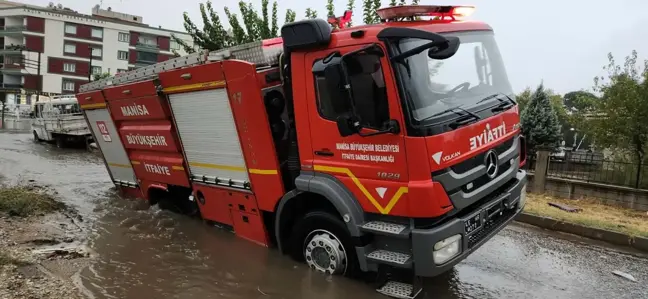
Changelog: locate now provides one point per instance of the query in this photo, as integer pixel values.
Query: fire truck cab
(366, 149)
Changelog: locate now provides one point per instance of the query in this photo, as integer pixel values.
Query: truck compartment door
(107, 138)
(208, 134)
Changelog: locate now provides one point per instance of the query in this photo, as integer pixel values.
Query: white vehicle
(60, 120)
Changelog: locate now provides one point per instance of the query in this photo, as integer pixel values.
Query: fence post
(540, 173)
(638, 177)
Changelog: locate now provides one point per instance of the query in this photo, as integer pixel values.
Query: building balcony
(7, 87)
(12, 30)
(12, 49)
(147, 48)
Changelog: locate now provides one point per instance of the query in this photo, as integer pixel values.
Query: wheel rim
(325, 253)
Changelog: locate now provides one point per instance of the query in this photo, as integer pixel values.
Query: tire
(329, 230)
(60, 142)
(36, 139)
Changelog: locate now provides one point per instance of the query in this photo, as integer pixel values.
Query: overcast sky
(563, 42)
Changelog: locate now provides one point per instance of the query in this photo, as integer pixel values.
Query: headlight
(523, 196)
(446, 249)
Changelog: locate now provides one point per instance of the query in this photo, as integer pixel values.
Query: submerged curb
(617, 238)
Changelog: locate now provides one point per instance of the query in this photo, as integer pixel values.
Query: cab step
(387, 229)
(399, 290)
(392, 258)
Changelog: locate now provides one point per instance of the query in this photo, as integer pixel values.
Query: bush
(24, 201)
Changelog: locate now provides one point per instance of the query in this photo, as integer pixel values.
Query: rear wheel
(60, 142)
(36, 139)
(323, 242)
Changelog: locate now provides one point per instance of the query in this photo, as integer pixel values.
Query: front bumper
(423, 240)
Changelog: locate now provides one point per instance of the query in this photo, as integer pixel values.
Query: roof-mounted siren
(412, 12)
(341, 22)
(306, 34)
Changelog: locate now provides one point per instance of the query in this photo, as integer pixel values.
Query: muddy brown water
(147, 253)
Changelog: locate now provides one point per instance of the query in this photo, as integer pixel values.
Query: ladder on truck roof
(261, 53)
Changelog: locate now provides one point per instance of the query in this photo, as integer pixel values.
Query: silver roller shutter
(208, 133)
(112, 150)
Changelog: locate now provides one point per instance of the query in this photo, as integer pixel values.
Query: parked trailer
(60, 120)
(353, 150)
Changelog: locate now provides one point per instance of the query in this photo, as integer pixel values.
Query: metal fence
(595, 168)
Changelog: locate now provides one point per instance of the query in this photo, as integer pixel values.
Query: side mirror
(445, 51)
(348, 125)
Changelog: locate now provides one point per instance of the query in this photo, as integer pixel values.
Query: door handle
(325, 153)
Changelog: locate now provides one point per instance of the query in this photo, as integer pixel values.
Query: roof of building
(6, 5)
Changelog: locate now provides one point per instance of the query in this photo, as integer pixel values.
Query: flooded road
(148, 253)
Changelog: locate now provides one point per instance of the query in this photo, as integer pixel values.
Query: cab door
(373, 168)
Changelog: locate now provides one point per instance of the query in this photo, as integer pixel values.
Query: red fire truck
(374, 148)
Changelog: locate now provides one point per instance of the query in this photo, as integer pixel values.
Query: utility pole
(40, 78)
(90, 66)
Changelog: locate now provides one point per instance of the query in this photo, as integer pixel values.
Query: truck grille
(489, 227)
(484, 179)
(479, 159)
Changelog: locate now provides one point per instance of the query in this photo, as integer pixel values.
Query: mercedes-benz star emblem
(492, 164)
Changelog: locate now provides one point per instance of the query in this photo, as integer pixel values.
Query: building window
(70, 48)
(122, 55)
(96, 52)
(68, 86)
(147, 40)
(123, 37)
(70, 29)
(147, 57)
(174, 45)
(97, 33)
(96, 70)
(69, 67)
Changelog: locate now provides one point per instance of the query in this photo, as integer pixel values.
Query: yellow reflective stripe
(135, 162)
(263, 171)
(92, 106)
(119, 165)
(194, 86)
(383, 210)
(177, 168)
(233, 168)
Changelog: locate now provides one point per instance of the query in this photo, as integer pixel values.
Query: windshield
(473, 73)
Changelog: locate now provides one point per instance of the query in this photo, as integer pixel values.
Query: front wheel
(323, 242)
(36, 139)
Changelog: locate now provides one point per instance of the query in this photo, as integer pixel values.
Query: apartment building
(55, 49)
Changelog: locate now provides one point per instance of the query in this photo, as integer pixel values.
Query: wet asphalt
(147, 253)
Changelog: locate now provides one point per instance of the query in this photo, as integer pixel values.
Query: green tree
(368, 11)
(376, 6)
(580, 100)
(621, 121)
(311, 13)
(330, 8)
(290, 16)
(350, 7)
(392, 2)
(96, 77)
(539, 121)
(523, 98)
(214, 36)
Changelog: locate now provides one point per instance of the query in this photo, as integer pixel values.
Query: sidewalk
(602, 222)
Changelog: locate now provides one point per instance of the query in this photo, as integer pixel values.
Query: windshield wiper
(454, 109)
(497, 97)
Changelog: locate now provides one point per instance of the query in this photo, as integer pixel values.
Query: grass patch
(594, 214)
(24, 201)
(6, 259)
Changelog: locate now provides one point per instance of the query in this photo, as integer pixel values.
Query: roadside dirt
(42, 254)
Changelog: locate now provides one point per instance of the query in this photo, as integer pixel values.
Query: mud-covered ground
(140, 252)
(41, 255)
